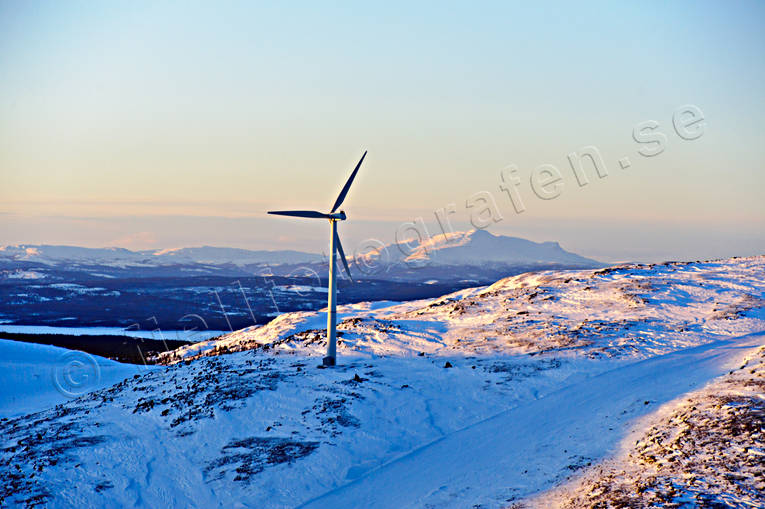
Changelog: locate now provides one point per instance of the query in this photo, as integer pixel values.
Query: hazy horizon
(149, 126)
(311, 238)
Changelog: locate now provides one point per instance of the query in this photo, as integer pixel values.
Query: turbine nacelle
(337, 216)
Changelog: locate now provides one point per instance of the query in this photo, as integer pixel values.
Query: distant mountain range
(477, 248)
(474, 248)
(120, 257)
(77, 286)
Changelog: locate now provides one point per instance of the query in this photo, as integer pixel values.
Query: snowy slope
(494, 462)
(629, 311)
(34, 377)
(705, 449)
(548, 370)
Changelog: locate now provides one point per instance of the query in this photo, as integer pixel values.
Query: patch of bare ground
(705, 450)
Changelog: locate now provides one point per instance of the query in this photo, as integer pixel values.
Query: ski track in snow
(550, 370)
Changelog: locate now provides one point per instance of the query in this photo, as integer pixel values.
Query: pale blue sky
(163, 124)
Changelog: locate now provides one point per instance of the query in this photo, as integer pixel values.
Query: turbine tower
(334, 247)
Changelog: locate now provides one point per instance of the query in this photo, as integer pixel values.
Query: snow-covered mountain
(479, 398)
(55, 255)
(477, 247)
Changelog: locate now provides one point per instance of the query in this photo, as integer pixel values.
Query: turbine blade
(342, 256)
(347, 185)
(299, 213)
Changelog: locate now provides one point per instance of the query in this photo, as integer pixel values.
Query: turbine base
(328, 361)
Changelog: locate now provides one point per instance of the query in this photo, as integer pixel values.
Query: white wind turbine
(334, 246)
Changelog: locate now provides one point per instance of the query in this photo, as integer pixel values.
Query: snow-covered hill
(477, 247)
(482, 397)
(35, 377)
(629, 311)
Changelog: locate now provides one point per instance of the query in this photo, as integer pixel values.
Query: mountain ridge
(481, 246)
(473, 248)
(56, 254)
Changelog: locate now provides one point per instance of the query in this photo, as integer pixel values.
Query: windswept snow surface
(496, 461)
(482, 397)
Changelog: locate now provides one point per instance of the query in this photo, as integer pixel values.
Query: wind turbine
(334, 246)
